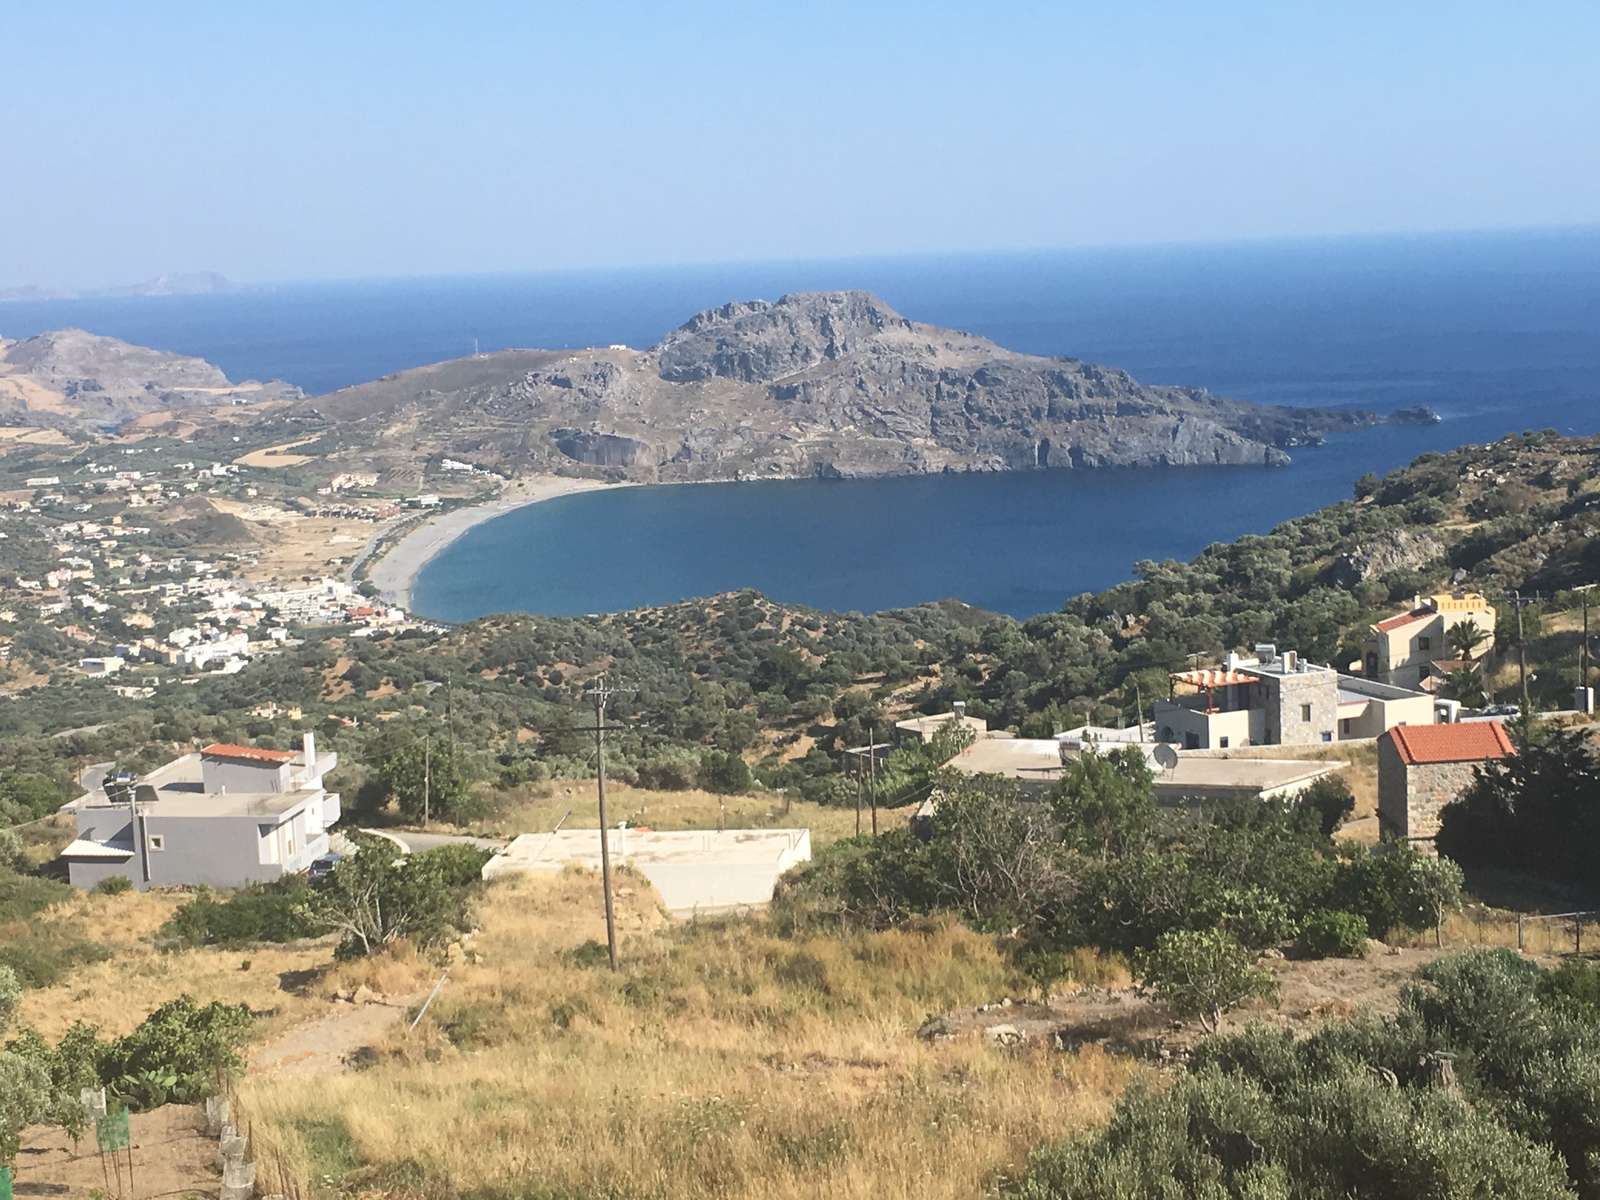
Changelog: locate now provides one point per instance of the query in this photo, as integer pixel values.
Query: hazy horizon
(401, 140)
(974, 253)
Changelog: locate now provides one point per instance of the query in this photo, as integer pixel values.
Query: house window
(1424, 643)
(1305, 712)
(1344, 727)
(157, 841)
(1222, 741)
(1327, 735)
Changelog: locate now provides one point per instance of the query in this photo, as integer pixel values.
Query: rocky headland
(833, 384)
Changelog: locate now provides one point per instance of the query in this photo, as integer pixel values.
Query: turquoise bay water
(1497, 332)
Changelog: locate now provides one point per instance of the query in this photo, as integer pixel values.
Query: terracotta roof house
(1399, 649)
(1421, 768)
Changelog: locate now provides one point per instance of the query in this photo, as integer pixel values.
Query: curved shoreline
(395, 571)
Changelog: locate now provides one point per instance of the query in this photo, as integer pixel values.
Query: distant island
(183, 283)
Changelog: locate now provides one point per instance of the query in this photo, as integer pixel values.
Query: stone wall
(1410, 798)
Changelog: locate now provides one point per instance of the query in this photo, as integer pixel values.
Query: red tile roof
(1471, 741)
(247, 753)
(1403, 619)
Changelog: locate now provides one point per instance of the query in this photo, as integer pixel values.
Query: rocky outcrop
(603, 449)
(1397, 550)
(834, 384)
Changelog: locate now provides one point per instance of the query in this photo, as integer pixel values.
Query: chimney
(1232, 661)
(1291, 661)
(960, 707)
(308, 746)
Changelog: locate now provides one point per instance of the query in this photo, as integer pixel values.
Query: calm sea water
(1497, 333)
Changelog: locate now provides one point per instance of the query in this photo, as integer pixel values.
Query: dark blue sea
(1496, 332)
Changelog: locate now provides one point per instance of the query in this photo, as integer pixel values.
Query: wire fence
(1544, 934)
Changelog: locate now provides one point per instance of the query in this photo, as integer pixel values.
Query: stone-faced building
(1421, 768)
(1280, 700)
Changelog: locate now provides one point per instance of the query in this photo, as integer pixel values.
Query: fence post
(1519, 933)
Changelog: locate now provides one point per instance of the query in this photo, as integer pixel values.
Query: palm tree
(1465, 637)
(1465, 685)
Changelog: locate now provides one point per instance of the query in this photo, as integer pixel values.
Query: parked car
(322, 867)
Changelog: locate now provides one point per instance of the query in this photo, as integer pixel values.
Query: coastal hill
(828, 384)
(72, 380)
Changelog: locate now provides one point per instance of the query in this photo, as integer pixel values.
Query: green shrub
(459, 865)
(44, 954)
(1331, 799)
(113, 885)
(11, 855)
(724, 772)
(177, 1053)
(1485, 1084)
(1333, 934)
(271, 912)
(21, 896)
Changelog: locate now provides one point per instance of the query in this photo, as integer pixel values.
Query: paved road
(92, 776)
(414, 842)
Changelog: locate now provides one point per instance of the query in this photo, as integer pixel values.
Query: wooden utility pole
(1583, 647)
(1138, 708)
(450, 717)
(1519, 600)
(601, 692)
(427, 779)
(872, 767)
(861, 770)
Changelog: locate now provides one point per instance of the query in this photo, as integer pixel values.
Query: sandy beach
(396, 571)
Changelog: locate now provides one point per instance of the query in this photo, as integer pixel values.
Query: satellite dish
(1166, 756)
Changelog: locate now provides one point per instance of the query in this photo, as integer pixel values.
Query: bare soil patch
(1311, 992)
(171, 1157)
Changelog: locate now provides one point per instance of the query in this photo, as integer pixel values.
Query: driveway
(413, 841)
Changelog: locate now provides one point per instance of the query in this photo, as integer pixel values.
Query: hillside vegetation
(786, 688)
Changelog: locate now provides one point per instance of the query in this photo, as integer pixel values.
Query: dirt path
(278, 456)
(325, 1046)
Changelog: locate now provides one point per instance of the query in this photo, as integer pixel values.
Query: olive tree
(1203, 973)
(24, 1085)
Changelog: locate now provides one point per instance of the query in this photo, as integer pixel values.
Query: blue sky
(291, 141)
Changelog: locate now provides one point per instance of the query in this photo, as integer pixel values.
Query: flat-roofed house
(225, 816)
(923, 729)
(1423, 768)
(1280, 700)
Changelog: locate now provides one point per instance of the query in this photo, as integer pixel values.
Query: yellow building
(1400, 649)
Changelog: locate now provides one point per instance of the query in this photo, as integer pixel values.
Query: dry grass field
(117, 992)
(721, 1061)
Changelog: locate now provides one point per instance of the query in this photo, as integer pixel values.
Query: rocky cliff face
(73, 379)
(833, 384)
